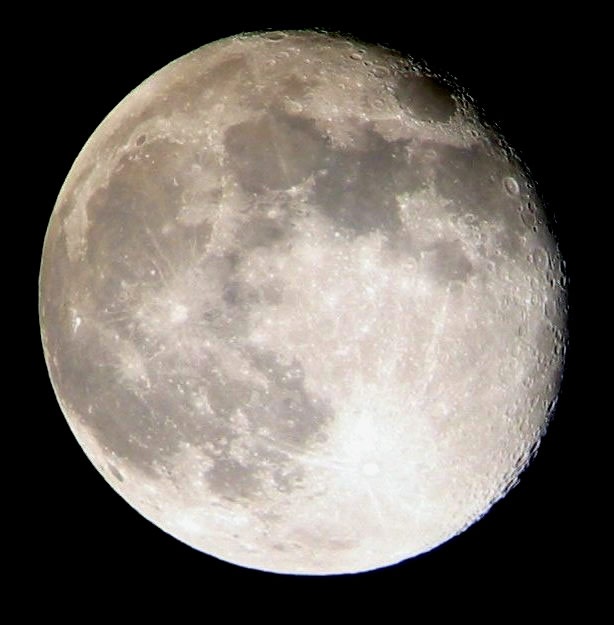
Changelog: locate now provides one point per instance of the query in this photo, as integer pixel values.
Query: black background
(536, 545)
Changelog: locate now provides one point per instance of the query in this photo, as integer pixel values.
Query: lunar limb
(301, 307)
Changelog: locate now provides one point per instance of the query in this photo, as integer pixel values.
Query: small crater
(275, 36)
(115, 472)
(141, 139)
(511, 186)
(281, 547)
(379, 71)
(539, 258)
(527, 215)
(470, 219)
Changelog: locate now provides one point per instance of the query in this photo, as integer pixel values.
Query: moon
(301, 306)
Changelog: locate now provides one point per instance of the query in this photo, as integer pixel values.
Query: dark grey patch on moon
(446, 261)
(358, 188)
(296, 88)
(146, 424)
(471, 179)
(282, 421)
(128, 218)
(239, 294)
(287, 409)
(114, 410)
(146, 427)
(232, 479)
(425, 98)
(274, 151)
(243, 295)
(261, 232)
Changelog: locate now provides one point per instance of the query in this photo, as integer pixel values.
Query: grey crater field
(300, 307)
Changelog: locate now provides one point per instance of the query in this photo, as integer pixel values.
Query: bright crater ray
(300, 307)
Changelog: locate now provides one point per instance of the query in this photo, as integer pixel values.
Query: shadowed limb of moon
(300, 307)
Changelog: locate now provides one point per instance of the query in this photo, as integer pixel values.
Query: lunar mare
(300, 307)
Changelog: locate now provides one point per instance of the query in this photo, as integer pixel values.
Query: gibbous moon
(301, 307)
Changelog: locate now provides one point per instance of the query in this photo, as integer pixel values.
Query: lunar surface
(301, 307)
